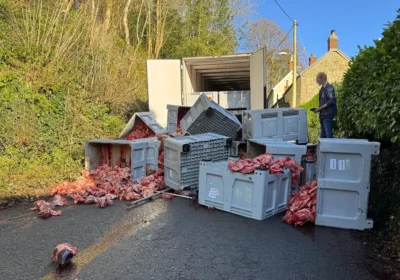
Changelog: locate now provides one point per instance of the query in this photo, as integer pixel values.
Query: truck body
(174, 81)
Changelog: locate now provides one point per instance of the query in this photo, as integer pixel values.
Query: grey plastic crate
(234, 99)
(183, 154)
(148, 118)
(174, 112)
(193, 96)
(310, 172)
(136, 154)
(344, 167)
(257, 196)
(206, 116)
(236, 146)
(285, 123)
(276, 147)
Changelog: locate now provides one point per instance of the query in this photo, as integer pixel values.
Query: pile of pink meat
(267, 161)
(140, 131)
(105, 184)
(301, 207)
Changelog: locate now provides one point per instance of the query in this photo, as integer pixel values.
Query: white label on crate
(213, 193)
(332, 164)
(341, 165)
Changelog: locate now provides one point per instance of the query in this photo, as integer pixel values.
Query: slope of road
(174, 240)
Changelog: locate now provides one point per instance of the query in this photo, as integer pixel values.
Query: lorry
(174, 81)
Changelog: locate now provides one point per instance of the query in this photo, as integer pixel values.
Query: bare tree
(107, 16)
(126, 24)
(265, 33)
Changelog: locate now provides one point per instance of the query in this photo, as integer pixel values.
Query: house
(334, 63)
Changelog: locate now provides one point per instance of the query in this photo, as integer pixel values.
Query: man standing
(327, 106)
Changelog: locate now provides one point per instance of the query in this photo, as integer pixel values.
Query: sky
(357, 22)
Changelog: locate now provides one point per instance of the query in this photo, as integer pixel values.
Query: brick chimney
(333, 41)
(286, 86)
(291, 65)
(312, 59)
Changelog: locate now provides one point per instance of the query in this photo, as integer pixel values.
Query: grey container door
(138, 160)
(258, 80)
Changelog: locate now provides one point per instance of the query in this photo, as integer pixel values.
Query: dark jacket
(327, 96)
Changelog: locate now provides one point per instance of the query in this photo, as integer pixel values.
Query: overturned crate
(285, 123)
(257, 196)
(344, 169)
(136, 154)
(143, 117)
(175, 115)
(206, 116)
(237, 148)
(183, 154)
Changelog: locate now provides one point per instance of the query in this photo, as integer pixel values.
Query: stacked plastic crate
(344, 167)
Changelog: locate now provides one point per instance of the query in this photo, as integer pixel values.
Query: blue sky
(357, 22)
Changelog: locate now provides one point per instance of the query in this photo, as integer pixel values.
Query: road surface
(174, 240)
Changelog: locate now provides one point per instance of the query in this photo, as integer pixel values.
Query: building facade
(334, 63)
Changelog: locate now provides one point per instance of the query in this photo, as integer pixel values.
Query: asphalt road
(174, 240)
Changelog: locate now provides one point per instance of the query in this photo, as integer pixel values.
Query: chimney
(333, 41)
(312, 59)
(286, 86)
(291, 65)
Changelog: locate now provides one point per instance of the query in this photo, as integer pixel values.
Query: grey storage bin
(175, 113)
(344, 167)
(276, 147)
(285, 123)
(136, 154)
(257, 196)
(310, 172)
(183, 154)
(193, 96)
(206, 116)
(236, 146)
(148, 118)
(234, 99)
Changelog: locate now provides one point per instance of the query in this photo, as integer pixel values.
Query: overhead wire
(283, 40)
(302, 42)
(283, 10)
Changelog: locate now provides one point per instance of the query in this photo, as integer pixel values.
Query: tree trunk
(70, 3)
(126, 26)
(107, 16)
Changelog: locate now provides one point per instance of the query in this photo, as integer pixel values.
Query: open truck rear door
(258, 91)
(163, 86)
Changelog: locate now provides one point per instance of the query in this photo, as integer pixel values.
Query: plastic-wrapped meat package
(63, 253)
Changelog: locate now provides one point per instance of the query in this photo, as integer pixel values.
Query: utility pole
(294, 91)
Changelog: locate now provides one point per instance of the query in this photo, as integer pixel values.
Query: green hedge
(371, 89)
(369, 108)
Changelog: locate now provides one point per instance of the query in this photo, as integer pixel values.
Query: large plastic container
(285, 123)
(276, 147)
(257, 196)
(136, 154)
(192, 97)
(175, 114)
(236, 147)
(344, 167)
(206, 116)
(183, 154)
(310, 172)
(234, 99)
(148, 118)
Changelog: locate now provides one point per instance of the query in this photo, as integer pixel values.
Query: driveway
(174, 240)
